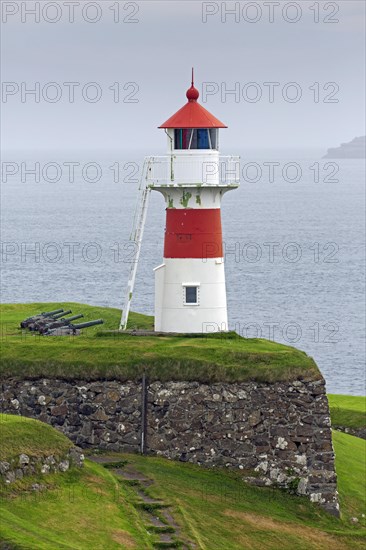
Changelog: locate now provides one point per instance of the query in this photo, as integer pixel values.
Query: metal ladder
(136, 236)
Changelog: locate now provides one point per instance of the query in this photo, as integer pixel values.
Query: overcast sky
(157, 52)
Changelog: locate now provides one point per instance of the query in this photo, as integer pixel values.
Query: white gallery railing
(193, 170)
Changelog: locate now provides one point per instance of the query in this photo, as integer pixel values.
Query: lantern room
(193, 147)
(196, 138)
(193, 127)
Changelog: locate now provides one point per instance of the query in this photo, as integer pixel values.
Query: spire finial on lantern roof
(192, 93)
(192, 114)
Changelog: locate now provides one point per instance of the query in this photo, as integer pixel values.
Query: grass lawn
(217, 510)
(85, 509)
(96, 354)
(348, 411)
(24, 435)
(213, 507)
(351, 471)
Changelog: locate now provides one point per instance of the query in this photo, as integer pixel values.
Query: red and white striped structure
(190, 293)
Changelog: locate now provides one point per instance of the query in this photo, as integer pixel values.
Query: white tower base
(173, 313)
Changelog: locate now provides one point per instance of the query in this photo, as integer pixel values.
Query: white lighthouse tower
(190, 292)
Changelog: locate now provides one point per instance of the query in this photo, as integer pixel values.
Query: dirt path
(154, 512)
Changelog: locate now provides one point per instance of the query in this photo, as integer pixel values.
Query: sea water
(293, 236)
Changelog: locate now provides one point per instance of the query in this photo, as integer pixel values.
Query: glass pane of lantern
(177, 139)
(194, 140)
(213, 136)
(202, 139)
(186, 134)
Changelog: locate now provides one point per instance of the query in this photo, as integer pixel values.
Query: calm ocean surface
(295, 263)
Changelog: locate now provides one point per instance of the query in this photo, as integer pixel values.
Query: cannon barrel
(61, 314)
(43, 315)
(36, 325)
(88, 324)
(57, 323)
(71, 330)
(73, 318)
(50, 313)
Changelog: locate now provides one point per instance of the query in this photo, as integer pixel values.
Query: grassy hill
(99, 353)
(214, 509)
(24, 435)
(348, 411)
(351, 471)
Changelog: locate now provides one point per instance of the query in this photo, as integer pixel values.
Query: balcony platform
(192, 170)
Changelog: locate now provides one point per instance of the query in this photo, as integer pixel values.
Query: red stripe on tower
(193, 233)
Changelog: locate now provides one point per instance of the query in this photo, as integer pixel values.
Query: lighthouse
(190, 290)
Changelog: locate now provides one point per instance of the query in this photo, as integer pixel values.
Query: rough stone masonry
(276, 433)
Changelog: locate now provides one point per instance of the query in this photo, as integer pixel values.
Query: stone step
(133, 476)
(103, 459)
(166, 541)
(157, 525)
(146, 498)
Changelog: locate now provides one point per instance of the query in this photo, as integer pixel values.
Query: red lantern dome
(192, 114)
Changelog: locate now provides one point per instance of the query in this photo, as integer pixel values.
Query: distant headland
(354, 149)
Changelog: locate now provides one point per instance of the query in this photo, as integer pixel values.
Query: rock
(354, 149)
(15, 404)
(45, 468)
(10, 477)
(257, 482)
(324, 446)
(113, 395)
(23, 459)
(281, 443)
(262, 466)
(302, 486)
(281, 478)
(38, 487)
(301, 459)
(229, 396)
(64, 466)
(86, 409)
(57, 420)
(305, 431)
(4, 467)
(60, 410)
(87, 428)
(317, 497)
(254, 418)
(76, 456)
(273, 473)
(74, 419)
(99, 415)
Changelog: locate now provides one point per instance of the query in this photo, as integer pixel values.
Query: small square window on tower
(191, 294)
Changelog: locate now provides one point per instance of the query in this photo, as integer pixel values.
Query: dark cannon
(41, 322)
(58, 323)
(72, 330)
(39, 316)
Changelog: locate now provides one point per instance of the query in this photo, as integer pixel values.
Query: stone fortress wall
(276, 433)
